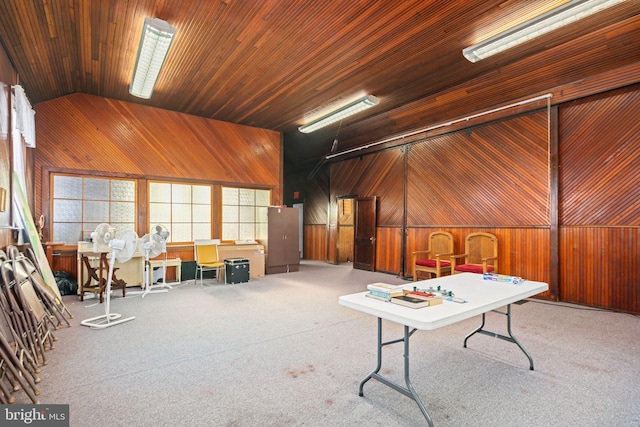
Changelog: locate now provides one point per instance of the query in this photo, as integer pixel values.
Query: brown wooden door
(364, 251)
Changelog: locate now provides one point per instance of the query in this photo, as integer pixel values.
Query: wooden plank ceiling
(273, 63)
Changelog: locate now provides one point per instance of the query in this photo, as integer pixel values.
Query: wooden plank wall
(97, 136)
(496, 177)
(600, 200)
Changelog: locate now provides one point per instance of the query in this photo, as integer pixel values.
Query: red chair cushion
(472, 268)
(432, 263)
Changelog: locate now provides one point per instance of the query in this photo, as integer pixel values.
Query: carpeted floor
(280, 351)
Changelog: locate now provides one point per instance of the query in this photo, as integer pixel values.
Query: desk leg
(408, 391)
(511, 338)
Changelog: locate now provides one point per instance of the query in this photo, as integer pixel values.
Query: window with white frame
(81, 203)
(185, 209)
(244, 213)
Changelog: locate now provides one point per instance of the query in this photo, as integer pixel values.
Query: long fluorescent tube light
(339, 114)
(156, 39)
(542, 24)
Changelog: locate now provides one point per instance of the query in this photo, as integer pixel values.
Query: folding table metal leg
(511, 338)
(408, 391)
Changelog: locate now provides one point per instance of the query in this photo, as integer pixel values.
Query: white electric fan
(163, 232)
(151, 245)
(101, 237)
(121, 250)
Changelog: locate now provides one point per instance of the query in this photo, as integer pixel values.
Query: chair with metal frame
(24, 299)
(53, 305)
(206, 257)
(17, 368)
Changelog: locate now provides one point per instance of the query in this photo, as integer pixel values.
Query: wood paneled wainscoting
(389, 249)
(601, 267)
(315, 242)
(523, 252)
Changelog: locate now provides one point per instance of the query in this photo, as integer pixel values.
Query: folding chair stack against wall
(23, 334)
(26, 266)
(24, 300)
(41, 286)
(30, 310)
(18, 370)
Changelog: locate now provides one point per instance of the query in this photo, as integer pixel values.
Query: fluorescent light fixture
(156, 39)
(339, 114)
(542, 24)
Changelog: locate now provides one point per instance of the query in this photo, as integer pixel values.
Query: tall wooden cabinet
(282, 242)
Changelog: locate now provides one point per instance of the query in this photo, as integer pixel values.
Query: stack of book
(417, 299)
(384, 291)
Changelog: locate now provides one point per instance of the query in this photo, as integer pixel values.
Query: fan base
(104, 321)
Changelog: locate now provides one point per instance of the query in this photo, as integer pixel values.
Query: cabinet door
(276, 233)
(291, 251)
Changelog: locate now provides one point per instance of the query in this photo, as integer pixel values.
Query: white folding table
(481, 297)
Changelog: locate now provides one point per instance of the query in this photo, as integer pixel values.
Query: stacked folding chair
(29, 311)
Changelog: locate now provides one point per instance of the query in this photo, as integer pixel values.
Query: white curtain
(25, 116)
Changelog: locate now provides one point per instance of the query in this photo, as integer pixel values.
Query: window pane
(202, 213)
(123, 190)
(262, 214)
(263, 197)
(180, 193)
(159, 192)
(230, 231)
(247, 214)
(96, 189)
(230, 214)
(122, 211)
(67, 187)
(160, 213)
(247, 231)
(94, 211)
(247, 197)
(69, 233)
(180, 213)
(229, 196)
(261, 231)
(201, 231)
(181, 232)
(202, 194)
(67, 211)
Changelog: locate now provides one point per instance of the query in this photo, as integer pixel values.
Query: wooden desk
(97, 267)
(482, 296)
(132, 271)
(254, 252)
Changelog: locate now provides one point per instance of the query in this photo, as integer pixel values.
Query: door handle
(372, 239)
